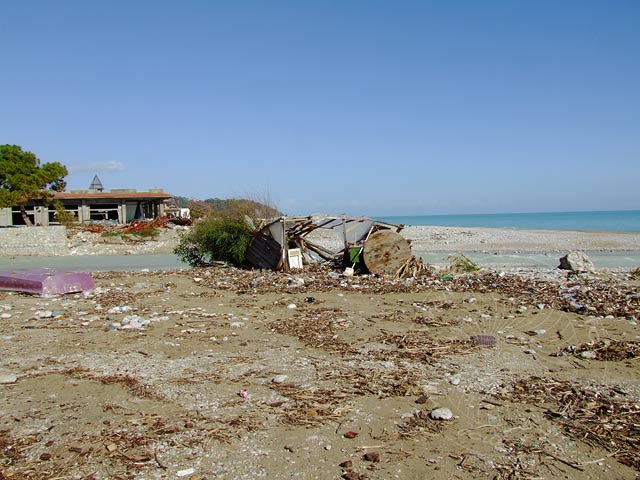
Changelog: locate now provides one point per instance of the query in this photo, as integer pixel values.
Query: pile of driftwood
(414, 267)
(594, 415)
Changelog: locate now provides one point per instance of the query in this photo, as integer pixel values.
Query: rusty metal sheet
(264, 252)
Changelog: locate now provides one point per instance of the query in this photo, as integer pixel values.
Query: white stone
(442, 413)
(588, 355)
(185, 472)
(530, 351)
(279, 379)
(455, 380)
(8, 378)
(292, 306)
(577, 262)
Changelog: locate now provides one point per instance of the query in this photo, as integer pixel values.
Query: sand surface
(229, 380)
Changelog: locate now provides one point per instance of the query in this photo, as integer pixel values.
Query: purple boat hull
(45, 281)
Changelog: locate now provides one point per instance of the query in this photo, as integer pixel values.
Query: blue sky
(362, 107)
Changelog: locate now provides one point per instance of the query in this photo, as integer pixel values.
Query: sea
(613, 221)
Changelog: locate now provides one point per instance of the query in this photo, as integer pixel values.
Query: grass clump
(461, 264)
(223, 239)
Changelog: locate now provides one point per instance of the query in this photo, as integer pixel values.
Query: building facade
(92, 205)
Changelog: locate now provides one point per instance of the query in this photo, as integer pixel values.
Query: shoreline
(490, 247)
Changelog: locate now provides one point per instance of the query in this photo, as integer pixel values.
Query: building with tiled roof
(93, 205)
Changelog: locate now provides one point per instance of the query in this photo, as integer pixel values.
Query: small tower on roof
(96, 184)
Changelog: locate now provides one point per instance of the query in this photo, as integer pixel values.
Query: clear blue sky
(363, 107)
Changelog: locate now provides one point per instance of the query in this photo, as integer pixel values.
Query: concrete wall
(33, 241)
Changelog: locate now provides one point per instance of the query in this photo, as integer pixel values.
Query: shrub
(461, 264)
(215, 239)
(64, 216)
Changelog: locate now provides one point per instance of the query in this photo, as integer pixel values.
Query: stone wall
(33, 241)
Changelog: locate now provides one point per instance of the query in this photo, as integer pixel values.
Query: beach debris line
(595, 415)
(604, 350)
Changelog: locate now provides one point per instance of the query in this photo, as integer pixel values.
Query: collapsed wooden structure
(290, 242)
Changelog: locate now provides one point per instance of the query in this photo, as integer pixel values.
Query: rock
(588, 355)
(372, 457)
(279, 379)
(292, 306)
(185, 472)
(455, 380)
(576, 262)
(8, 378)
(442, 413)
(530, 351)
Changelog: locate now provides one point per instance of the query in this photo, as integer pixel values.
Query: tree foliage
(220, 238)
(23, 177)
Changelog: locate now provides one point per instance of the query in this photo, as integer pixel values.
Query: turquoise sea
(614, 221)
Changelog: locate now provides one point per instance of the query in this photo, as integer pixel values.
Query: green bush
(215, 239)
(63, 216)
(461, 264)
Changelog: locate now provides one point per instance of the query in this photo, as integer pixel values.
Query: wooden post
(285, 245)
(344, 232)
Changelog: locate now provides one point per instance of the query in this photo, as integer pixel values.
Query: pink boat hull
(45, 281)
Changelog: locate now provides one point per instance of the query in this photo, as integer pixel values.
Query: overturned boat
(45, 281)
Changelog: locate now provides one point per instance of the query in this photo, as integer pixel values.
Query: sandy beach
(224, 373)
(235, 374)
